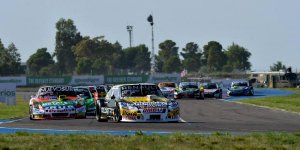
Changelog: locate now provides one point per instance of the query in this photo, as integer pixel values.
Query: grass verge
(20, 110)
(288, 103)
(24, 140)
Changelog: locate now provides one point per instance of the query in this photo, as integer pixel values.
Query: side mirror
(112, 97)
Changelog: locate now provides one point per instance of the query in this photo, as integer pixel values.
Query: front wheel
(99, 113)
(30, 113)
(117, 116)
(201, 95)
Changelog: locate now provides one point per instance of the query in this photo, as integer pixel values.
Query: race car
(52, 102)
(240, 88)
(85, 93)
(189, 89)
(212, 90)
(167, 88)
(142, 102)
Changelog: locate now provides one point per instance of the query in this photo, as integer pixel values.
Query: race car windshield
(210, 86)
(85, 92)
(240, 84)
(189, 85)
(140, 90)
(100, 89)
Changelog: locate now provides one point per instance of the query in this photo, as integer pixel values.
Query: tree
(238, 57)
(84, 65)
(15, 60)
(10, 61)
(102, 55)
(191, 57)
(3, 60)
(167, 59)
(214, 57)
(41, 60)
(66, 37)
(210, 45)
(137, 59)
(278, 66)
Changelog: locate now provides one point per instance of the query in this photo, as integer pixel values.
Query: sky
(268, 29)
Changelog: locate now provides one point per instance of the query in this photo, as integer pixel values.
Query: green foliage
(238, 57)
(41, 63)
(98, 56)
(167, 59)
(214, 57)
(191, 57)
(10, 61)
(145, 142)
(136, 59)
(289, 103)
(278, 66)
(19, 110)
(66, 37)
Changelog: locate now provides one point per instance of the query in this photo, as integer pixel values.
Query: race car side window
(109, 94)
(117, 93)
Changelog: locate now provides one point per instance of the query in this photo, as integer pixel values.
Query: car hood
(237, 88)
(210, 90)
(148, 98)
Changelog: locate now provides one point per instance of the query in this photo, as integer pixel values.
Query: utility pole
(150, 20)
(129, 29)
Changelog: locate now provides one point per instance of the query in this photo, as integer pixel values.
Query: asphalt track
(198, 116)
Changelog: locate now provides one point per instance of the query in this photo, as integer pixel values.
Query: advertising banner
(8, 93)
(165, 77)
(19, 81)
(48, 80)
(87, 80)
(122, 79)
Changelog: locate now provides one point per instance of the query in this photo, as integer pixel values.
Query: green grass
(20, 110)
(289, 103)
(24, 140)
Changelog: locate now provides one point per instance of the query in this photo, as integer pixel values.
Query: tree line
(77, 54)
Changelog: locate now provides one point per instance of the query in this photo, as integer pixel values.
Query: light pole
(129, 29)
(150, 20)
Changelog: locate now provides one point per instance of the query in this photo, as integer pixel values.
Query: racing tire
(251, 93)
(99, 113)
(201, 96)
(30, 113)
(117, 116)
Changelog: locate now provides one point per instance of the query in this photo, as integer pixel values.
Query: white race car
(137, 103)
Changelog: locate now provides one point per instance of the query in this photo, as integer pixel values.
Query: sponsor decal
(57, 103)
(151, 104)
(87, 80)
(129, 113)
(59, 110)
(125, 79)
(48, 80)
(154, 110)
(56, 88)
